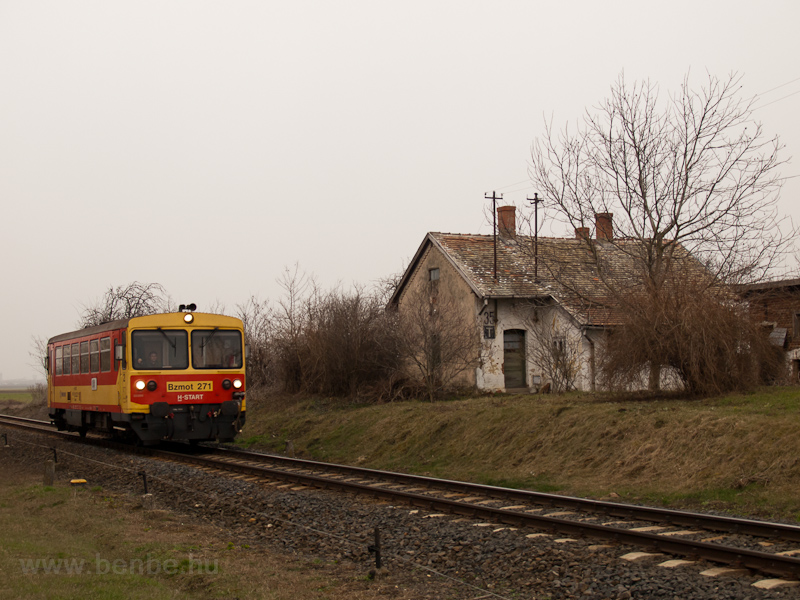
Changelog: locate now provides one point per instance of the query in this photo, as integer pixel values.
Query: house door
(514, 358)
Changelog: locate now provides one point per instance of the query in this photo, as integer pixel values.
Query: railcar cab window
(216, 349)
(160, 349)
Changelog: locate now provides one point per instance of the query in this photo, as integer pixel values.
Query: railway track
(719, 539)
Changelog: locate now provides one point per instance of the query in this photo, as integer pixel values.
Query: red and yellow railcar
(178, 376)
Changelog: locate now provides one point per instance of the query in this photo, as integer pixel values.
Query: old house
(776, 304)
(528, 303)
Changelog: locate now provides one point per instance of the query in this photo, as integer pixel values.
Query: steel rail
(740, 557)
(734, 525)
(751, 559)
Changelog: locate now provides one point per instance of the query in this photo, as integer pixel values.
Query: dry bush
(333, 343)
(257, 319)
(692, 330)
(435, 340)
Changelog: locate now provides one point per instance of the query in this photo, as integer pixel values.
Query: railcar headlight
(140, 384)
(152, 385)
(226, 384)
(188, 317)
(237, 383)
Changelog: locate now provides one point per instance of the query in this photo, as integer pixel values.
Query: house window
(796, 324)
(433, 282)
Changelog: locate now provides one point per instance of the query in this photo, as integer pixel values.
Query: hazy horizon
(206, 146)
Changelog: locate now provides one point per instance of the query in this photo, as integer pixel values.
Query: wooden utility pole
(494, 198)
(535, 201)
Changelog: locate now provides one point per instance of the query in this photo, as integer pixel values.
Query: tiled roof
(567, 270)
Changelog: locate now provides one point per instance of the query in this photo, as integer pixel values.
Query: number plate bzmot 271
(190, 386)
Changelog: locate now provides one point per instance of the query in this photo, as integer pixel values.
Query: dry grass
(126, 552)
(736, 452)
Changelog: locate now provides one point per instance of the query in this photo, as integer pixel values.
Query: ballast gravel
(452, 556)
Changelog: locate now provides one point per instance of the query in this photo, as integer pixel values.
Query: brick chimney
(507, 221)
(582, 233)
(604, 226)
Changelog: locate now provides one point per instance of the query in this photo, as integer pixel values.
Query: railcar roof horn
(188, 308)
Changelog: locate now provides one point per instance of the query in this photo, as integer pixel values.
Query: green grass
(21, 396)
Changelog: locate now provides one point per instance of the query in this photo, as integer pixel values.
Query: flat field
(15, 395)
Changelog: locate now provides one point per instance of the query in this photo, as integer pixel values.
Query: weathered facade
(530, 330)
(777, 305)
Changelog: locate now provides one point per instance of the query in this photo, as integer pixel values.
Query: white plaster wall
(511, 314)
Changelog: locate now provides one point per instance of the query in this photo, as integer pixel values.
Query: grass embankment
(738, 453)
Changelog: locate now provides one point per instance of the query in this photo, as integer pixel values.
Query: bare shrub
(38, 392)
(555, 351)
(336, 342)
(699, 334)
(435, 339)
(258, 321)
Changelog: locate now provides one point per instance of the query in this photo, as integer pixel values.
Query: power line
(778, 100)
(513, 184)
(778, 87)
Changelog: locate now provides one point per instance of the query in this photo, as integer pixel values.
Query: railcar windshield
(160, 349)
(216, 349)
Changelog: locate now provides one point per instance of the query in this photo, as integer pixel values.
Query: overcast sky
(208, 145)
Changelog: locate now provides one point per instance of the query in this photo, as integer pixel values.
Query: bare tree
(555, 350)
(38, 353)
(693, 186)
(436, 338)
(698, 173)
(122, 302)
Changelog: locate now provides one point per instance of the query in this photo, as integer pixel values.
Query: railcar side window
(160, 349)
(105, 354)
(67, 359)
(94, 356)
(59, 361)
(216, 349)
(84, 357)
(76, 359)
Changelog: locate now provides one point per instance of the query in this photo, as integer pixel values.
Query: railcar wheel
(82, 432)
